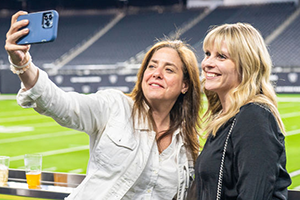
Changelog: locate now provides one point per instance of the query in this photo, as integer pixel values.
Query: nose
(157, 73)
(208, 62)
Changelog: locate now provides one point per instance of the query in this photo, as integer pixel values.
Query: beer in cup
(33, 167)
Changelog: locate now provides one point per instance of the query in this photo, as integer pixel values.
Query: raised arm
(19, 56)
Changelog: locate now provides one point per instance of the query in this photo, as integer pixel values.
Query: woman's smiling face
(219, 70)
(163, 77)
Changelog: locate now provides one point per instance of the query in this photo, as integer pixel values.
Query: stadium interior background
(101, 43)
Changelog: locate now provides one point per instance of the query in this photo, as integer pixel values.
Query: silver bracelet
(17, 66)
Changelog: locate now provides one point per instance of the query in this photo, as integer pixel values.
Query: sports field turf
(64, 150)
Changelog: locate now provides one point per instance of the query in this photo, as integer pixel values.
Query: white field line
(294, 132)
(7, 97)
(39, 136)
(45, 124)
(55, 152)
(288, 99)
(50, 169)
(288, 115)
(17, 119)
(14, 113)
(295, 173)
(288, 105)
(297, 188)
(35, 125)
(76, 171)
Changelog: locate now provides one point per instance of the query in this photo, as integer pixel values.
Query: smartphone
(42, 27)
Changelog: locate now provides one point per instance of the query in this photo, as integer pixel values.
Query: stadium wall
(285, 82)
(215, 3)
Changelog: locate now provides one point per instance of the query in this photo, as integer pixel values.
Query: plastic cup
(4, 165)
(33, 167)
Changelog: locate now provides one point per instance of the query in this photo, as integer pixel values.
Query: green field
(64, 150)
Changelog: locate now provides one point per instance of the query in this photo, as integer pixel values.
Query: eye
(222, 56)
(207, 53)
(169, 70)
(150, 66)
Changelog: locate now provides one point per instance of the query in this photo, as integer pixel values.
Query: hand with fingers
(18, 55)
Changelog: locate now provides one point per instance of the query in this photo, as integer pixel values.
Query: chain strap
(219, 187)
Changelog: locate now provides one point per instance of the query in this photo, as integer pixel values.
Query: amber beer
(33, 180)
(33, 167)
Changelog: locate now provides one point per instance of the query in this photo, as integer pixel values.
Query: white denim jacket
(118, 153)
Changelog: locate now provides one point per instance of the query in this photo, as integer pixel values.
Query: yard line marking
(288, 99)
(288, 105)
(15, 129)
(76, 171)
(294, 132)
(295, 173)
(39, 136)
(17, 119)
(8, 97)
(288, 115)
(297, 188)
(55, 152)
(36, 125)
(45, 124)
(50, 169)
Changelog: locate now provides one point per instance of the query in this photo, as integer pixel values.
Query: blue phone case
(42, 27)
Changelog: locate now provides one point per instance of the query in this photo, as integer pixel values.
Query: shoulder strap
(219, 187)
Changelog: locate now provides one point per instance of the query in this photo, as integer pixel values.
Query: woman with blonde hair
(142, 145)
(244, 154)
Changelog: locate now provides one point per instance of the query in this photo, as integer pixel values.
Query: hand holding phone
(42, 27)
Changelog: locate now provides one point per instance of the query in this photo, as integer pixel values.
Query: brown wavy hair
(185, 113)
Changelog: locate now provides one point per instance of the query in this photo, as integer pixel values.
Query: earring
(183, 92)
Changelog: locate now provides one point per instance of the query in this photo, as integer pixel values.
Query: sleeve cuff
(27, 98)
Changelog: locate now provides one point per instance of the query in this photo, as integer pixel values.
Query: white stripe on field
(21, 118)
(297, 188)
(295, 173)
(49, 169)
(287, 99)
(294, 132)
(55, 152)
(43, 124)
(288, 115)
(39, 136)
(76, 171)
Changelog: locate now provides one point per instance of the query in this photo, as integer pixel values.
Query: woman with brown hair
(142, 145)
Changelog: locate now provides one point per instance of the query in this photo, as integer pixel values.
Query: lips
(155, 85)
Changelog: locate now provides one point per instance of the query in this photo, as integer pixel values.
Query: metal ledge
(53, 185)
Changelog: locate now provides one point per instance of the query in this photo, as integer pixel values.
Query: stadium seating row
(139, 29)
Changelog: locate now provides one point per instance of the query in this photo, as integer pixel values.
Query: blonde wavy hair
(248, 51)
(185, 113)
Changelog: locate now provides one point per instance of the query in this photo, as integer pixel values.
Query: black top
(255, 159)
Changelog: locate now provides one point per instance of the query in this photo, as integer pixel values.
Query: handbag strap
(219, 187)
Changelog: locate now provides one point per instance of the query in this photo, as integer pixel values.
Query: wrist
(22, 64)
(20, 69)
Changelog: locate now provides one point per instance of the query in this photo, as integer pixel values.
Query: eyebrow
(166, 63)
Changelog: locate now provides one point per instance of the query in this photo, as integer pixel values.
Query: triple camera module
(47, 20)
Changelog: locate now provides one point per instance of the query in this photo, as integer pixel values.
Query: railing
(56, 185)
(53, 185)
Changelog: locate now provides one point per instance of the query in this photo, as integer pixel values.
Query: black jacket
(255, 159)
